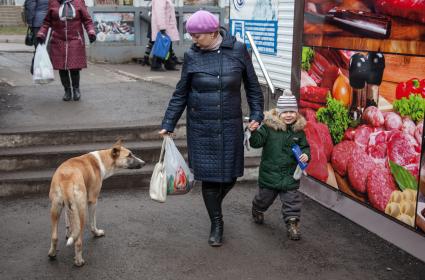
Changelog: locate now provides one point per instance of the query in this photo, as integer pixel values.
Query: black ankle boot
(216, 234)
(77, 94)
(68, 94)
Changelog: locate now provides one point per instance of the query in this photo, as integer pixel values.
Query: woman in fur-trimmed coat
(283, 127)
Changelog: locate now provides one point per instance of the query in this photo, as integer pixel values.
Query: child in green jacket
(282, 128)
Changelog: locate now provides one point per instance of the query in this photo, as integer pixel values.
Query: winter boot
(64, 76)
(212, 199)
(293, 229)
(146, 61)
(170, 65)
(75, 79)
(77, 94)
(68, 95)
(257, 216)
(156, 64)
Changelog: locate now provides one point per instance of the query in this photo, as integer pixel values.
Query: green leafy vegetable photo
(404, 179)
(307, 57)
(335, 116)
(413, 107)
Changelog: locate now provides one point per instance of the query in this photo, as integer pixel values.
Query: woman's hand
(164, 133)
(253, 126)
(303, 158)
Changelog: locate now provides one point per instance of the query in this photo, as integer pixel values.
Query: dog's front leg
(92, 216)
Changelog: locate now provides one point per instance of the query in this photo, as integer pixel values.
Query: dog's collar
(101, 166)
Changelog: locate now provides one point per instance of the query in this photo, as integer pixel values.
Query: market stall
(362, 89)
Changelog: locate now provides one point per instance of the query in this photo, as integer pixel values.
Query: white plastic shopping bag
(179, 177)
(158, 184)
(43, 69)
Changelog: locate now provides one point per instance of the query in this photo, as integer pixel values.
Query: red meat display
(418, 132)
(393, 121)
(373, 116)
(326, 139)
(359, 166)
(377, 147)
(380, 185)
(340, 155)
(408, 126)
(317, 166)
(403, 149)
(314, 94)
(311, 105)
(410, 9)
(349, 134)
(309, 114)
(361, 136)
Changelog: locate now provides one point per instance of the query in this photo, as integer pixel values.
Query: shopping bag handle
(161, 156)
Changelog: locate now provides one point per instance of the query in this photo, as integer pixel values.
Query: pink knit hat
(202, 22)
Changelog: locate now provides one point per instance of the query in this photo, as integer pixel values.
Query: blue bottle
(297, 153)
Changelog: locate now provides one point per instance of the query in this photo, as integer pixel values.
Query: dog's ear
(118, 143)
(115, 152)
(116, 148)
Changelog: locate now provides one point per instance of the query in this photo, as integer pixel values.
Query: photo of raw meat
(364, 115)
(391, 26)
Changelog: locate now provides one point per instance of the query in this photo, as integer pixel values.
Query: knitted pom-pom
(287, 92)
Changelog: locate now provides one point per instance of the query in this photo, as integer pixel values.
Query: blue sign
(264, 34)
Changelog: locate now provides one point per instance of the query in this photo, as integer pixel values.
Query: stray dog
(76, 184)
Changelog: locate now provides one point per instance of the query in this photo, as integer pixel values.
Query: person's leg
(75, 79)
(225, 188)
(291, 212)
(148, 51)
(169, 63)
(156, 64)
(66, 83)
(211, 192)
(35, 42)
(261, 202)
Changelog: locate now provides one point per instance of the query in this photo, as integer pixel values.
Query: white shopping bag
(179, 178)
(43, 69)
(158, 184)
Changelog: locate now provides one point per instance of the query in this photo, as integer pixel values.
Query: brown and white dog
(76, 184)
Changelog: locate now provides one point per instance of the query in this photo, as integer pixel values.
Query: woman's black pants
(67, 81)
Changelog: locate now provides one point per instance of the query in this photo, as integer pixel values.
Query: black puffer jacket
(210, 89)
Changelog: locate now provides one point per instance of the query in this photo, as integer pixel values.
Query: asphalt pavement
(148, 240)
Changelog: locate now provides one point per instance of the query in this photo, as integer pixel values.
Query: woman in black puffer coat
(209, 88)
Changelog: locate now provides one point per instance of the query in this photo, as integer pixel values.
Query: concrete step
(29, 182)
(44, 157)
(109, 135)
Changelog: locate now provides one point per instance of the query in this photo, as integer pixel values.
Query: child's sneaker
(293, 229)
(257, 216)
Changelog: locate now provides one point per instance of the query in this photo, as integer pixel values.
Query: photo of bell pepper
(412, 86)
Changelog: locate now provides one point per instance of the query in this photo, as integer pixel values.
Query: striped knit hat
(287, 102)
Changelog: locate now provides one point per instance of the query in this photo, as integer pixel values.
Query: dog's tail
(73, 208)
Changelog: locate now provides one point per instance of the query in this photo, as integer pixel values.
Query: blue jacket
(209, 89)
(35, 12)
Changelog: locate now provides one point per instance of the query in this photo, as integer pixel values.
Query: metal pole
(260, 62)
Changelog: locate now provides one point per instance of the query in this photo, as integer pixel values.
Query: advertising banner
(260, 19)
(362, 91)
(114, 27)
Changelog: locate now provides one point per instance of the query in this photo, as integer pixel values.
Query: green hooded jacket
(278, 163)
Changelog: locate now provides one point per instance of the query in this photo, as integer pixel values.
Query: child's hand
(253, 125)
(303, 158)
